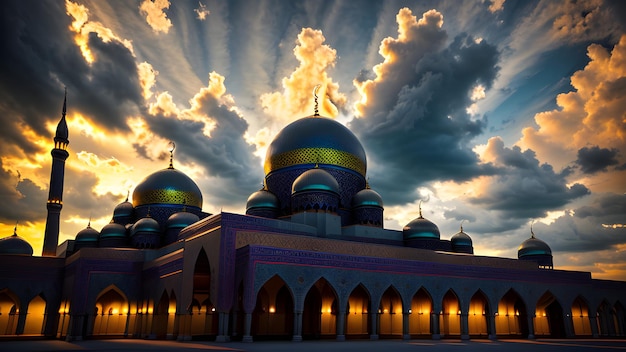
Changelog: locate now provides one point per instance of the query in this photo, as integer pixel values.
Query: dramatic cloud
(155, 16)
(595, 159)
(523, 188)
(592, 114)
(22, 200)
(412, 116)
(496, 5)
(296, 99)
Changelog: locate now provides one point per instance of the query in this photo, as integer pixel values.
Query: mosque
(310, 259)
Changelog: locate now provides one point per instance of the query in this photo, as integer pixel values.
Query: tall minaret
(55, 195)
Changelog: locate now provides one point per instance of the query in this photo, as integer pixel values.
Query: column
(434, 325)
(464, 326)
(593, 323)
(297, 327)
(374, 318)
(405, 326)
(247, 326)
(341, 322)
(491, 325)
(569, 324)
(222, 328)
(531, 326)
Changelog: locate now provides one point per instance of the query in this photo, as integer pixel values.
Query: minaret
(55, 195)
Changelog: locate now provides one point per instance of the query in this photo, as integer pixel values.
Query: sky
(498, 115)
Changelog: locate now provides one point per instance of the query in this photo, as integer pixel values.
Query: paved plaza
(122, 345)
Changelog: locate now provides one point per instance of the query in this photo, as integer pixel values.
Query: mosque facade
(310, 259)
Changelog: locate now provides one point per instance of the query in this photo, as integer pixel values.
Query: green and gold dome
(168, 186)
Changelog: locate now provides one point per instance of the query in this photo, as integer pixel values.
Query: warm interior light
(329, 310)
(115, 311)
(272, 310)
(410, 311)
(459, 313)
(125, 311)
(385, 311)
(150, 310)
(213, 309)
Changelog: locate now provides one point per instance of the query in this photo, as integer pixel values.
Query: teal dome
(315, 140)
(145, 226)
(113, 230)
(88, 235)
(15, 245)
(315, 180)
(461, 239)
(262, 199)
(168, 186)
(123, 210)
(367, 198)
(181, 220)
(533, 247)
(421, 228)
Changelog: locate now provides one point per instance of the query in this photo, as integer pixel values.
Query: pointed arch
(204, 318)
(110, 312)
(159, 319)
(358, 324)
(390, 311)
(620, 314)
(606, 319)
(36, 316)
(319, 316)
(549, 317)
(273, 314)
(9, 307)
(477, 315)
(580, 317)
(511, 318)
(421, 309)
(450, 322)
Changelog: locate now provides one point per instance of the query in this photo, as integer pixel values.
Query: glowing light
(411, 311)
(272, 310)
(213, 309)
(125, 311)
(115, 311)
(149, 310)
(385, 311)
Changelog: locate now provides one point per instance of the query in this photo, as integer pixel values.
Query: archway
(450, 323)
(419, 319)
(35, 319)
(620, 315)
(390, 314)
(319, 317)
(549, 317)
(9, 304)
(204, 318)
(273, 313)
(512, 316)
(163, 319)
(111, 312)
(580, 317)
(358, 324)
(477, 315)
(606, 319)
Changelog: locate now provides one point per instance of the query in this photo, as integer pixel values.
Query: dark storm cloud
(22, 200)
(39, 57)
(596, 159)
(225, 154)
(79, 199)
(524, 188)
(420, 131)
(588, 228)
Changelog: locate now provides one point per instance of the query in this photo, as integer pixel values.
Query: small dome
(315, 180)
(113, 230)
(532, 247)
(88, 235)
(262, 199)
(145, 225)
(124, 209)
(15, 245)
(168, 186)
(367, 198)
(181, 220)
(421, 228)
(461, 239)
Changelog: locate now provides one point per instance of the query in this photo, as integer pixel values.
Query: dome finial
(172, 146)
(15, 229)
(532, 234)
(367, 183)
(127, 195)
(89, 223)
(317, 87)
(462, 225)
(420, 209)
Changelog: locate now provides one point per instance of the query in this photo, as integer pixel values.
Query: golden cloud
(155, 16)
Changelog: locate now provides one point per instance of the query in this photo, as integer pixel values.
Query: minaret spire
(55, 193)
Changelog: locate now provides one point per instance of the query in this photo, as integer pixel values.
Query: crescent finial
(172, 146)
(317, 87)
(532, 234)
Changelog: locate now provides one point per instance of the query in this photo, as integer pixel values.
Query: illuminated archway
(580, 317)
(204, 318)
(273, 313)
(549, 317)
(35, 319)
(477, 315)
(110, 313)
(319, 317)
(450, 323)
(390, 314)
(9, 304)
(358, 324)
(419, 319)
(512, 316)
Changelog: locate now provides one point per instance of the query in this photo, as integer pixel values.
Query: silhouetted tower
(55, 195)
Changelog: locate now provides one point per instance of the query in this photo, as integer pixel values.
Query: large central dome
(168, 186)
(316, 140)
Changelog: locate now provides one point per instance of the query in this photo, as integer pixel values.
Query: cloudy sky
(496, 113)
